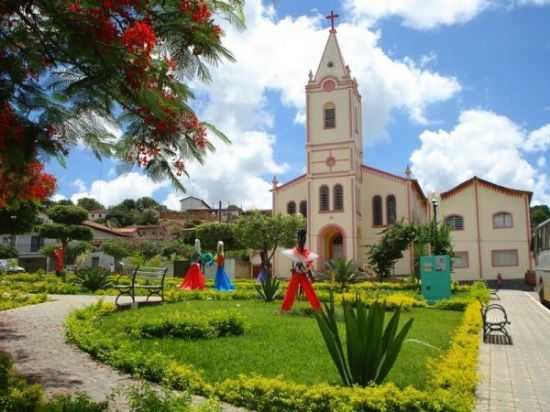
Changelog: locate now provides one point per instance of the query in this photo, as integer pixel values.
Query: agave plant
(93, 278)
(268, 289)
(371, 348)
(342, 271)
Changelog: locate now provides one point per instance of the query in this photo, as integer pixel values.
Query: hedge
(451, 383)
(189, 326)
(10, 299)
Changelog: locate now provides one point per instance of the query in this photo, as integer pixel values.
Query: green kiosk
(435, 277)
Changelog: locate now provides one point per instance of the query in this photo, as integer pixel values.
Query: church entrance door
(331, 245)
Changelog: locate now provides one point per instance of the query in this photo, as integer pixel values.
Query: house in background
(490, 228)
(28, 247)
(193, 209)
(98, 214)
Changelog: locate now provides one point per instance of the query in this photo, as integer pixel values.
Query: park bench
(495, 319)
(150, 279)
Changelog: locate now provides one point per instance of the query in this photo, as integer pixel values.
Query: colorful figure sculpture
(222, 282)
(262, 275)
(194, 278)
(59, 257)
(302, 262)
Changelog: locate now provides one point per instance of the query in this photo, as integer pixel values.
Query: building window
(505, 258)
(329, 116)
(303, 208)
(291, 208)
(323, 198)
(377, 211)
(391, 209)
(455, 222)
(461, 260)
(36, 243)
(356, 120)
(502, 220)
(338, 197)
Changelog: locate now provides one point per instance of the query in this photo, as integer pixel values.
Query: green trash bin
(435, 277)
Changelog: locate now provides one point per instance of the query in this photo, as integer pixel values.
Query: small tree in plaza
(265, 234)
(395, 240)
(211, 233)
(118, 249)
(66, 225)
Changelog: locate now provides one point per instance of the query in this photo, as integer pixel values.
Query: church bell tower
(334, 146)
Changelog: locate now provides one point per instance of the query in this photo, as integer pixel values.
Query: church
(347, 203)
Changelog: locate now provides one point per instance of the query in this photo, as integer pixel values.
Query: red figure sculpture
(302, 262)
(59, 256)
(194, 278)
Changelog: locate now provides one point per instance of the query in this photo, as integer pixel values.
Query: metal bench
(495, 320)
(148, 278)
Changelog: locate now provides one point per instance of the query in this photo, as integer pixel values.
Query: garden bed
(279, 345)
(281, 363)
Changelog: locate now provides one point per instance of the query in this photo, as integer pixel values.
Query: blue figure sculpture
(222, 282)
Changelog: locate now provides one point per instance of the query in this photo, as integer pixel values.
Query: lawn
(289, 346)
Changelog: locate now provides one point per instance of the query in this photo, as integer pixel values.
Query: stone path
(517, 377)
(35, 336)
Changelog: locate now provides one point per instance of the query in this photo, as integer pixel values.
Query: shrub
(93, 278)
(213, 324)
(342, 271)
(10, 299)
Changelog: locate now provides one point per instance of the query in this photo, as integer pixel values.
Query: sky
(455, 88)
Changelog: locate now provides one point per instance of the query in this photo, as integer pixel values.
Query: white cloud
(419, 14)
(541, 162)
(538, 140)
(483, 144)
(127, 186)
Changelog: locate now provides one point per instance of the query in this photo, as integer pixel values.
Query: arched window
(377, 211)
(502, 220)
(323, 198)
(303, 208)
(455, 222)
(291, 208)
(391, 209)
(338, 197)
(329, 116)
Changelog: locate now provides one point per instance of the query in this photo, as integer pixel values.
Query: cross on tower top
(332, 16)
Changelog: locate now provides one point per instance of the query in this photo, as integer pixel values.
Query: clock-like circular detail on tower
(331, 161)
(329, 85)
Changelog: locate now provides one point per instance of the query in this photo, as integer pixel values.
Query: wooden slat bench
(151, 279)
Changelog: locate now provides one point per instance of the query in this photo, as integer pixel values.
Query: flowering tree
(72, 69)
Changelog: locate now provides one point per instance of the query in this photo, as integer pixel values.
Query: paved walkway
(517, 377)
(35, 336)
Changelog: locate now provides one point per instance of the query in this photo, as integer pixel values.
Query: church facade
(347, 204)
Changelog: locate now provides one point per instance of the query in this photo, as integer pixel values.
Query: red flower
(185, 6)
(74, 8)
(217, 30)
(201, 14)
(139, 38)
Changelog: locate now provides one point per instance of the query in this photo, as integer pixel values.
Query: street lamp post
(435, 204)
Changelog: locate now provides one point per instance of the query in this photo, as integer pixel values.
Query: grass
(287, 346)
